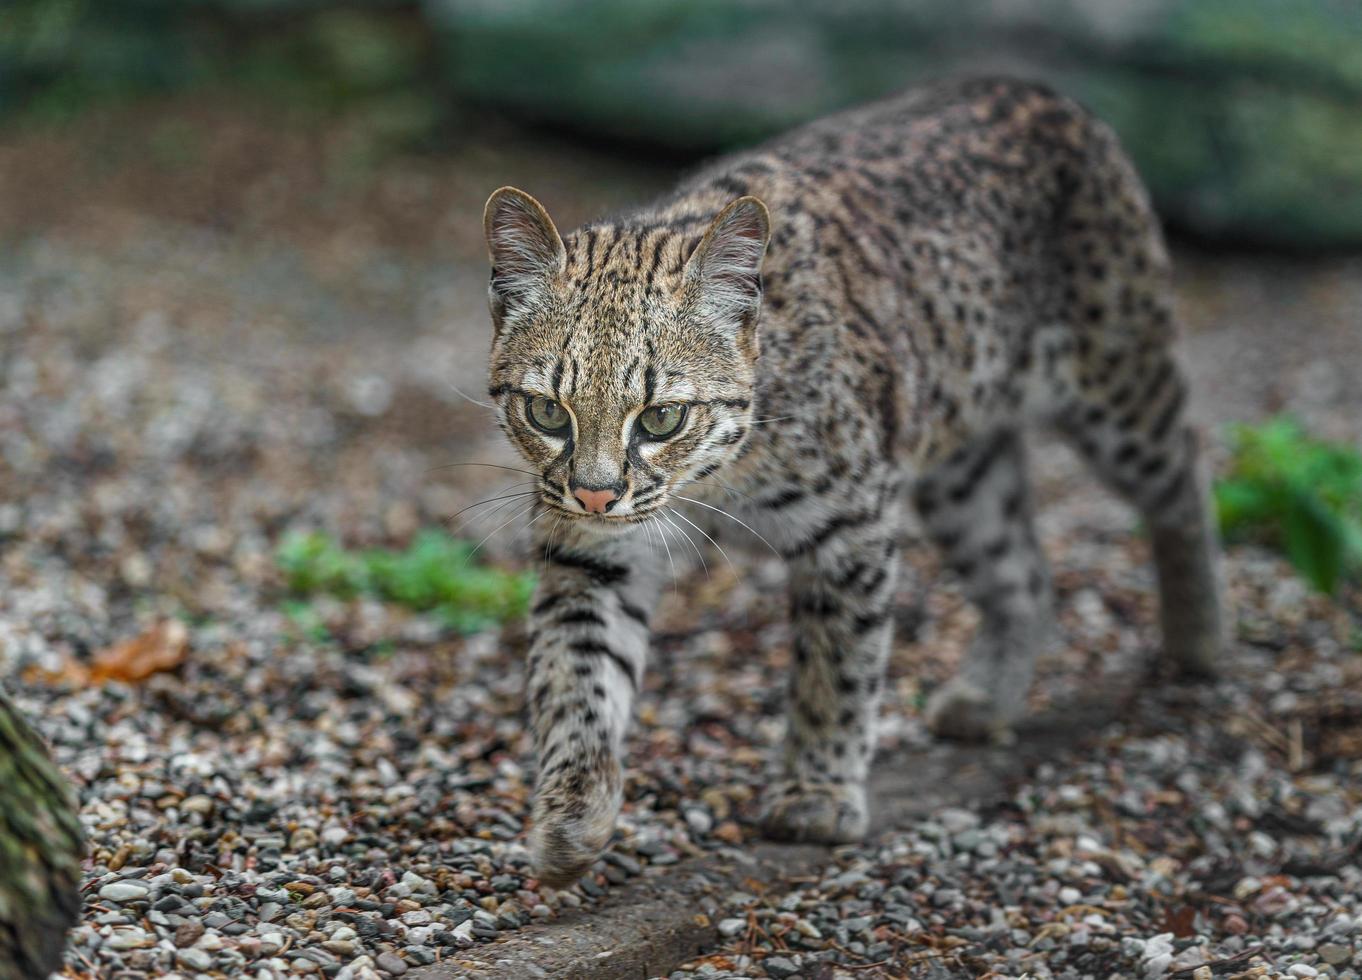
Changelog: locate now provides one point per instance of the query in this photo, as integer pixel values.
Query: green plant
(1297, 493)
(435, 573)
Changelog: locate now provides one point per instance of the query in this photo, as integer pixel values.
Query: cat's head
(624, 358)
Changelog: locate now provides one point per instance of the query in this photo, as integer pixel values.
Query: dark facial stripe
(739, 403)
(644, 499)
(615, 239)
(496, 391)
(590, 248)
(656, 261)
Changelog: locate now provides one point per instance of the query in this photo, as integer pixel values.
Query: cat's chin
(605, 527)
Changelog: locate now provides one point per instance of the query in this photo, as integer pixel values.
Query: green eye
(661, 421)
(548, 415)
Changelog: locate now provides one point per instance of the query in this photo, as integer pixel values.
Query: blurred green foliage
(1300, 494)
(61, 57)
(435, 573)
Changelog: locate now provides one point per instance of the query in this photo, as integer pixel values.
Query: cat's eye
(548, 415)
(661, 421)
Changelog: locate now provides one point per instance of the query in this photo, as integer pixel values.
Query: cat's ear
(525, 249)
(724, 271)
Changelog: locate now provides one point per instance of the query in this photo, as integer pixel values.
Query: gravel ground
(193, 366)
(1216, 828)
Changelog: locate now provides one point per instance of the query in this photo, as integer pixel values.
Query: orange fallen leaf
(71, 674)
(1181, 921)
(163, 647)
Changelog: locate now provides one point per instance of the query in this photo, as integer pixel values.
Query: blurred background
(1242, 114)
(242, 339)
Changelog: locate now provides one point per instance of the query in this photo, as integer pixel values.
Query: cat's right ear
(525, 249)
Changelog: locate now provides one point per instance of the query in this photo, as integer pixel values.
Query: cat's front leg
(588, 646)
(841, 584)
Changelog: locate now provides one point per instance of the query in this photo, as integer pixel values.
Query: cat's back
(995, 165)
(942, 219)
(952, 231)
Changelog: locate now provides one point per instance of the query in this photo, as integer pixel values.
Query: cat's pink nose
(596, 501)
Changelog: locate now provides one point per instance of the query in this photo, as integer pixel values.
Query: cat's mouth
(612, 521)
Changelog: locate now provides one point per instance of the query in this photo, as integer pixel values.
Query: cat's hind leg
(976, 506)
(1133, 431)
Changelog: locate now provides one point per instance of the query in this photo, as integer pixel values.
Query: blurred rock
(1245, 116)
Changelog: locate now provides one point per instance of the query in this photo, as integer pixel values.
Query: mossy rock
(40, 853)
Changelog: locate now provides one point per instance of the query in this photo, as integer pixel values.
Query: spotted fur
(856, 316)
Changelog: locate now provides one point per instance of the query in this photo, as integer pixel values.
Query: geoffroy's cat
(810, 337)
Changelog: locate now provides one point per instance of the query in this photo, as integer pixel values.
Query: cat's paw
(825, 813)
(572, 827)
(961, 710)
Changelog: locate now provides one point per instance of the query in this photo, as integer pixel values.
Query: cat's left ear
(724, 271)
(525, 248)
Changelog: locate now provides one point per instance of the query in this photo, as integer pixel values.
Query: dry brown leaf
(72, 674)
(1181, 921)
(163, 647)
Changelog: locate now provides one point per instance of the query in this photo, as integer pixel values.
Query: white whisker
(469, 398)
(718, 485)
(652, 540)
(490, 500)
(534, 519)
(662, 533)
(500, 508)
(682, 531)
(716, 544)
(719, 510)
(495, 466)
(514, 517)
(548, 540)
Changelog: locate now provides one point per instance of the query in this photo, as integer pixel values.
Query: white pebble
(956, 820)
(1157, 966)
(731, 927)
(699, 821)
(128, 939)
(123, 891)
